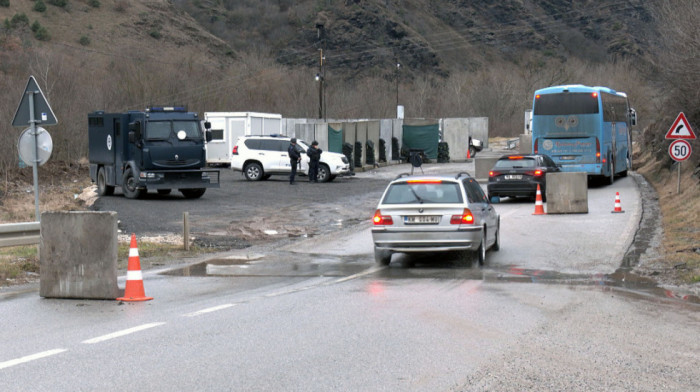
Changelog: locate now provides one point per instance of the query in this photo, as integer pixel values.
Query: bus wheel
(629, 167)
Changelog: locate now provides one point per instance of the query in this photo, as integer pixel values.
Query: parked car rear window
(515, 163)
(417, 193)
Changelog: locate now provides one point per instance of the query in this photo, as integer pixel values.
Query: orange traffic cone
(618, 206)
(539, 207)
(134, 280)
(469, 155)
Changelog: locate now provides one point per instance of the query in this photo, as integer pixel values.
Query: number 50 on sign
(679, 150)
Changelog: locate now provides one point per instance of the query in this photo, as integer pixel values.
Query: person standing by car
(294, 158)
(314, 154)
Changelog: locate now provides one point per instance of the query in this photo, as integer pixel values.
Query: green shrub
(5, 3)
(84, 40)
(39, 6)
(42, 34)
(36, 26)
(155, 34)
(94, 3)
(19, 20)
(59, 3)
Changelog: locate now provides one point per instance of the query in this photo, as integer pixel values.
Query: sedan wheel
(382, 256)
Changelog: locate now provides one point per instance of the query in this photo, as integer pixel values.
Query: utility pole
(320, 75)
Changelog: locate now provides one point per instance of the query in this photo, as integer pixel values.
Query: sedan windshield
(419, 193)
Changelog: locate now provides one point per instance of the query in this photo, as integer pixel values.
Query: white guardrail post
(14, 234)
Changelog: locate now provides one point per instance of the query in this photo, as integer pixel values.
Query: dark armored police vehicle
(161, 148)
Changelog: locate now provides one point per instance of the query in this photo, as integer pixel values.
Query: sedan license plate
(514, 176)
(421, 219)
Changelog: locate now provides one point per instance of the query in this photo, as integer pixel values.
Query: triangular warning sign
(680, 129)
(33, 100)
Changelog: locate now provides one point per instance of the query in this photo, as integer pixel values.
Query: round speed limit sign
(679, 150)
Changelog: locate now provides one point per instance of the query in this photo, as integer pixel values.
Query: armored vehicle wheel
(102, 188)
(193, 193)
(130, 185)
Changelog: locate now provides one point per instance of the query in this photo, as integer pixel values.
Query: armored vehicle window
(191, 128)
(158, 130)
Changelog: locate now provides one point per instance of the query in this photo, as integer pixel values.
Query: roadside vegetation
(87, 75)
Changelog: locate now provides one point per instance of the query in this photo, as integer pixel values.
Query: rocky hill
(367, 37)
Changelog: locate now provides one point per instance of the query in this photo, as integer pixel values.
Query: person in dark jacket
(314, 154)
(294, 158)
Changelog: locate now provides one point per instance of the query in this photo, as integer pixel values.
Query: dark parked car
(519, 175)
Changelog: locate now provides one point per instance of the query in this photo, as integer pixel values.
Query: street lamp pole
(320, 75)
(398, 65)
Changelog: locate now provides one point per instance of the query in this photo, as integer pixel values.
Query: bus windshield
(565, 104)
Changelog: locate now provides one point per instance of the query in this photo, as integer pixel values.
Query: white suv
(259, 157)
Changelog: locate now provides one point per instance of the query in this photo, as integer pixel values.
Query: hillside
(436, 37)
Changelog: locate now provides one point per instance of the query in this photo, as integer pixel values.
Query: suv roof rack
(460, 174)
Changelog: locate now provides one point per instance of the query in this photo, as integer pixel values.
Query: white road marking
(32, 357)
(208, 310)
(121, 333)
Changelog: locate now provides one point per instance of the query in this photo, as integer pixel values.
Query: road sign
(680, 150)
(680, 129)
(33, 103)
(29, 147)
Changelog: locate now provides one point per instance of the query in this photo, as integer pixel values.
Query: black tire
(253, 172)
(194, 193)
(382, 256)
(102, 188)
(479, 256)
(497, 243)
(324, 173)
(164, 191)
(472, 151)
(629, 167)
(130, 185)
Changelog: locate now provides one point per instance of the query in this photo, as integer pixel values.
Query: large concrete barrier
(78, 255)
(525, 144)
(482, 166)
(567, 193)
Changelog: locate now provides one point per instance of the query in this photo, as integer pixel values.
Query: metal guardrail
(512, 143)
(14, 234)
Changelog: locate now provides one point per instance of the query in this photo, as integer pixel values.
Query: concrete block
(525, 144)
(567, 193)
(78, 255)
(482, 166)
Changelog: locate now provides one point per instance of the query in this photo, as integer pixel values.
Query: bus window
(565, 104)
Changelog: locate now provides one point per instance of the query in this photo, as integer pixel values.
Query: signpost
(34, 109)
(680, 149)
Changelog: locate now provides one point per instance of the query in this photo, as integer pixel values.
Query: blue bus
(584, 129)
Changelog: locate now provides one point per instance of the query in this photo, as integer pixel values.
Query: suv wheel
(253, 172)
(324, 173)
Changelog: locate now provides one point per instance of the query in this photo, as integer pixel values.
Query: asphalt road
(304, 308)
